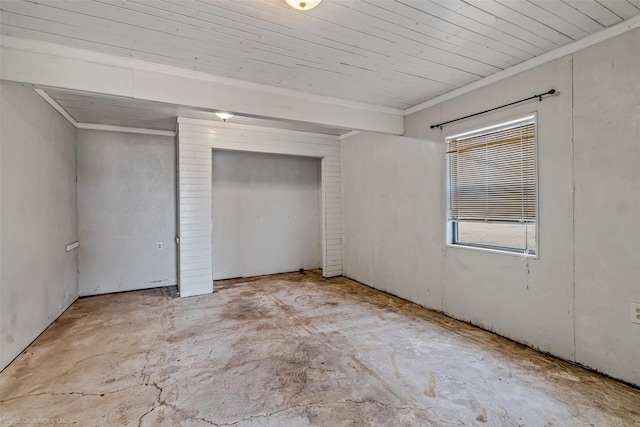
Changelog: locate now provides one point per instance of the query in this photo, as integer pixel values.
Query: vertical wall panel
(607, 202)
(331, 220)
(196, 141)
(126, 205)
(194, 216)
(39, 278)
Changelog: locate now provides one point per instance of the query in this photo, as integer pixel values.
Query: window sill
(493, 250)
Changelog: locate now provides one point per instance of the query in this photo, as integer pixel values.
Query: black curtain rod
(551, 92)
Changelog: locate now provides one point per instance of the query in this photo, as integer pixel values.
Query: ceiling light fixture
(303, 4)
(224, 116)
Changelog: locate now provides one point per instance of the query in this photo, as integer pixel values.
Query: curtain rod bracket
(539, 96)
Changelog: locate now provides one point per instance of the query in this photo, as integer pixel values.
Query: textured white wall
(607, 204)
(530, 301)
(391, 189)
(126, 205)
(266, 214)
(574, 300)
(39, 279)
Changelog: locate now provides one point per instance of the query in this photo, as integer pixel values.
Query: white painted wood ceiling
(380, 52)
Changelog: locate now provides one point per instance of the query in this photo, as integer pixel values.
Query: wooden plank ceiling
(380, 52)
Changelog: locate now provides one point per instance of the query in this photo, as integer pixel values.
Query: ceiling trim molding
(93, 126)
(568, 49)
(124, 129)
(56, 106)
(348, 134)
(227, 124)
(52, 65)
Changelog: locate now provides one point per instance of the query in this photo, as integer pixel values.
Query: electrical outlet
(635, 312)
(159, 246)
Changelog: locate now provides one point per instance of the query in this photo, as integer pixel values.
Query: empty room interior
(320, 212)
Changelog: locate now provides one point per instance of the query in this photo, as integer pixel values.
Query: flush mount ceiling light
(303, 4)
(224, 116)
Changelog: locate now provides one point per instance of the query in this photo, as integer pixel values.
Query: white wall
(126, 205)
(581, 316)
(265, 213)
(39, 279)
(391, 213)
(607, 205)
(196, 141)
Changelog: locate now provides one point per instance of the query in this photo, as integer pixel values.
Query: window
(491, 187)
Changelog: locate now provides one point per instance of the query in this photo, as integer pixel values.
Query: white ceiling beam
(47, 64)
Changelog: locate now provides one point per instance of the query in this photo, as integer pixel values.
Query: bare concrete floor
(293, 350)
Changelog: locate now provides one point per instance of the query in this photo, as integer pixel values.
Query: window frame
(452, 226)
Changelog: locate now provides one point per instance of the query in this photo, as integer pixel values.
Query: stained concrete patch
(431, 391)
(294, 350)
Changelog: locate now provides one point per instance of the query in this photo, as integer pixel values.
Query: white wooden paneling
(194, 266)
(572, 15)
(535, 11)
(595, 11)
(386, 53)
(493, 36)
(622, 8)
(196, 141)
(534, 42)
(521, 20)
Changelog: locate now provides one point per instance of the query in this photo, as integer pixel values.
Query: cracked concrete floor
(293, 350)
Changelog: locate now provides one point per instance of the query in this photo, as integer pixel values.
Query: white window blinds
(492, 174)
